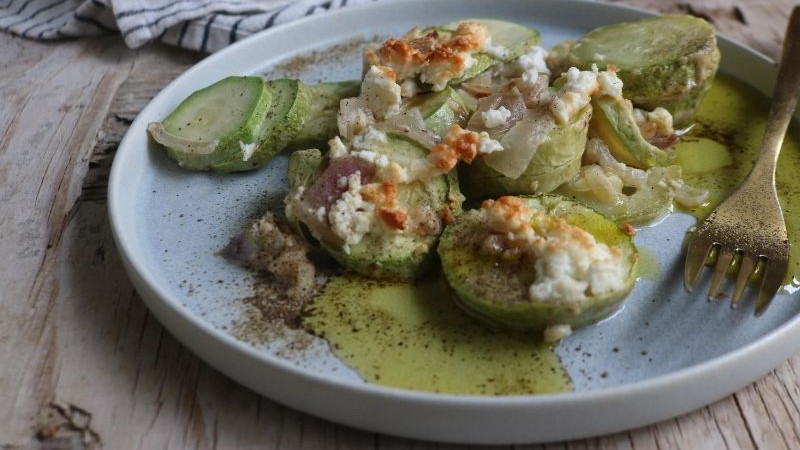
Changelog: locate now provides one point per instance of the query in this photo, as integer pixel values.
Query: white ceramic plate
(674, 353)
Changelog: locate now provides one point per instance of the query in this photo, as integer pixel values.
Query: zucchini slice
(508, 42)
(381, 253)
(291, 102)
(304, 167)
(514, 39)
(613, 122)
(640, 207)
(319, 123)
(666, 61)
(236, 124)
(440, 109)
(554, 161)
(496, 287)
(216, 123)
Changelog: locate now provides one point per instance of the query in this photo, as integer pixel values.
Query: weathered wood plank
(49, 132)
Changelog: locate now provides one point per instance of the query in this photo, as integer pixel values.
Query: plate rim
(176, 317)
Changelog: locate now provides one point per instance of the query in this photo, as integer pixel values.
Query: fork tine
(774, 271)
(724, 260)
(696, 254)
(746, 268)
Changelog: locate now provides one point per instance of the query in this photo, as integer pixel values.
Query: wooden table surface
(82, 362)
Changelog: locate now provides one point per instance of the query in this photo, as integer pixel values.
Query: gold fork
(748, 227)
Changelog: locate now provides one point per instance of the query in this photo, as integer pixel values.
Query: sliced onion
(520, 144)
(411, 125)
(689, 196)
(511, 100)
(353, 117)
(533, 91)
(598, 152)
(601, 185)
(470, 101)
(480, 86)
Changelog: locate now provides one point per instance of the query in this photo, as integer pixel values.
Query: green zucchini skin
(556, 161)
(668, 61)
(304, 167)
(496, 291)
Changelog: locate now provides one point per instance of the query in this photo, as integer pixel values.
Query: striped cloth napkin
(204, 25)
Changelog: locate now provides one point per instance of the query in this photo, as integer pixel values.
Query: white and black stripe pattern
(205, 25)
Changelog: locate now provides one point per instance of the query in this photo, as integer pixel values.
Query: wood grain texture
(82, 362)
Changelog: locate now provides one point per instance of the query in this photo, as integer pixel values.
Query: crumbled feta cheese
(374, 158)
(609, 84)
(436, 58)
(533, 63)
(574, 95)
(570, 263)
(662, 120)
(439, 72)
(337, 148)
(510, 216)
(292, 200)
(370, 140)
(247, 150)
(457, 144)
(351, 216)
(380, 92)
(495, 51)
(495, 117)
(400, 174)
(488, 145)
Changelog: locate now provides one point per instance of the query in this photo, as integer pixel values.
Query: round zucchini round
(402, 256)
(666, 61)
(555, 161)
(496, 289)
(215, 124)
(381, 253)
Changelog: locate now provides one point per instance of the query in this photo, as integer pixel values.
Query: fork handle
(783, 103)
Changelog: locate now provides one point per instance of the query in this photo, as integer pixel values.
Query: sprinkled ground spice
(288, 279)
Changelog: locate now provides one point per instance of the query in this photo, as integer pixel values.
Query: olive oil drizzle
(412, 336)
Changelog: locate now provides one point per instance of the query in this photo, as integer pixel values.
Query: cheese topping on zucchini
(532, 64)
(380, 92)
(569, 262)
(436, 59)
(351, 216)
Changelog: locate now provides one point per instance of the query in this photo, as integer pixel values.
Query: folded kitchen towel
(205, 25)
